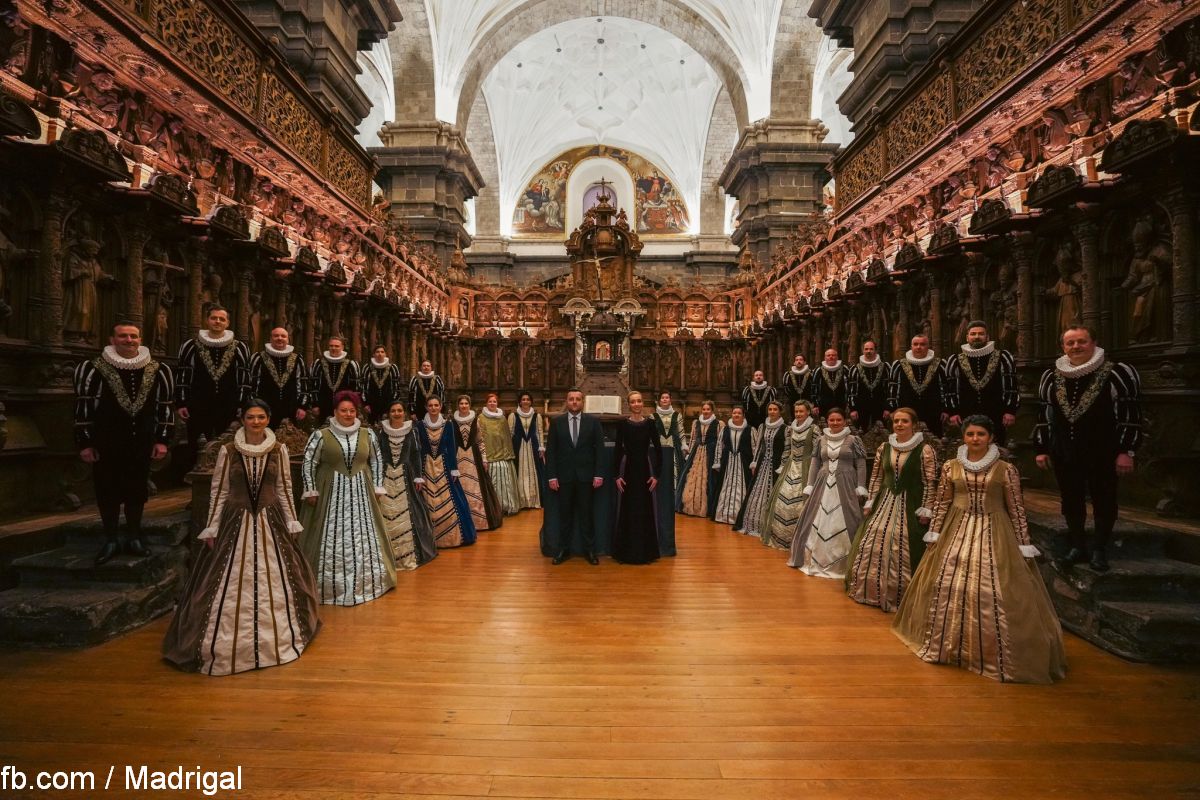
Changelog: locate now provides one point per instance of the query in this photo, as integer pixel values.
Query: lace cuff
(867, 506)
(1029, 551)
(454, 473)
(924, 512)
(308, 494)
(380, 491)
(808, 490)
(208, 533)
(295, 527)
(418, 481)
(861, 491)
(931, 537)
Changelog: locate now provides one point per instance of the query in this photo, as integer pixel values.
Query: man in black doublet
(425, 384)
(380, 383)
(333, 372)
(918, 381)
(123, 421)
(279, 376)
(1089, 428)
(755, 397)
(830, 384)
(868, 393)
(213, 379)
(982, 380)
(796, 383)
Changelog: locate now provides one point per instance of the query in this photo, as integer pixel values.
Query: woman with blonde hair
(787, 496)
(637, 459)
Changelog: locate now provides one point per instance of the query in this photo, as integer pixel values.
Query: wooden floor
(718, 674)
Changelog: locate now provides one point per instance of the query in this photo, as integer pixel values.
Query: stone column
(1021, 249)
(1183, 245)
(355, 336)
(283, 305)
(427, 173)
(777, 172)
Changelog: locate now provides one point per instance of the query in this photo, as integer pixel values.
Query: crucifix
(603, 189)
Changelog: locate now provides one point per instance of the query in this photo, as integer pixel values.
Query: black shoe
(561, 557)
(1076, 555)
(1099, 561)
(591, 559)
(135, 547)
(110, 549)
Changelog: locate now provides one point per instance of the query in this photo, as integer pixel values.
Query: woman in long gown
(836, 485)
(977, 600)
(732, 465)
(668, 426)
(638, 461)
(473, 469)
(441, 489)
(344, 537)
(249, 601)
(697, 494)
(787, 496)
(529, 448)
(767, 458)
(888, 543)
(405, 517)
(502, 460)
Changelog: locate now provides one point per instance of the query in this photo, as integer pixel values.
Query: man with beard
(918, 381)
(333, 372)
(982, 380)
(214, 370)
(796, 381)
(279, 376)
(755, 397)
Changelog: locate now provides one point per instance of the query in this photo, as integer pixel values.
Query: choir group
(946, 547)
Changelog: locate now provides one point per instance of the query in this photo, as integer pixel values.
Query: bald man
(279, 375)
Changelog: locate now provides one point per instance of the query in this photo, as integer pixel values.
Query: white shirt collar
(239, 441)
(986, 462)
(219, 341)
(286, 351)
(1064, 367)
(381, 364)
(803, 371)
(429, 423)
(832, 367)
(904, 447)
(919, 361)
(497, 414)
(335, 359)
(120, 362)
(978, 352)
(835, 437)
(345, 430)
(862, 361)
(396, 433)
(470, 415)
(761, 385)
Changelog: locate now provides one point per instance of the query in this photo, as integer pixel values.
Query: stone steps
(62, 599)
(1145, 608)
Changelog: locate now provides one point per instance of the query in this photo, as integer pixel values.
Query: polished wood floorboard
(718, 674)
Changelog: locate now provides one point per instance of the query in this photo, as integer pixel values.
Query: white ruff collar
(429, 423)
(803, 426)
(426, 374)
(239, 441)
(120, 362)
(979, 352)
(762, 385)
(497, 414)
(381, 364)
(835, 437)
(800, 371)
(664, 411)
(335, 359)
(982, 464)
(910, 358)
(703, 420)
(734, 427)
(835, 367)
(396, 433)
(525, 414)
(904, 447)
(345, 430)
(774, 426)
(862, 362)
(286, 351)
(1064, 367)
(222, 340)
(470, 415)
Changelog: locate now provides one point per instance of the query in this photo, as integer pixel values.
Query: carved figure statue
(81, 301)
(961, 312)
(1004, 308)
(1068, 289)
(9, 253)
(1147, 284)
